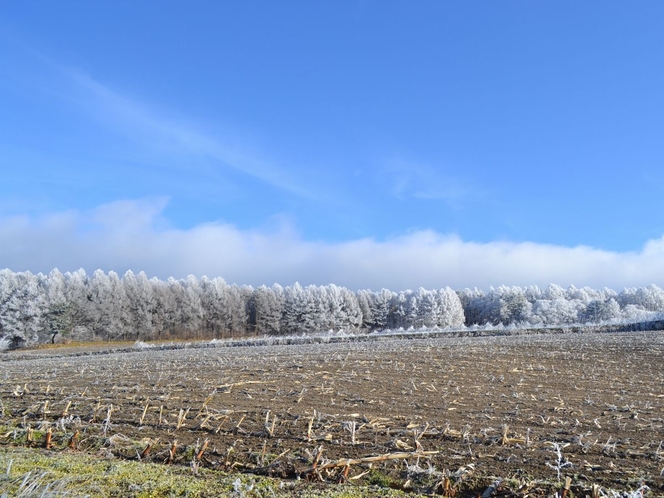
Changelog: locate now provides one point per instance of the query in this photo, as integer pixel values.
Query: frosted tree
(426, 308)
(502, 305)
(328, 310)
(291, 309)
(605, 293)
(489, 307)
(364, 302)
(303, 310)
(109, 311)
(556, 311)
(318, 309)
(214, 302)
(21, 308)
(32, 308)
(265, 309)
(411, 309)
(314, 313)
(166, 316)
(296, 304)
(78, 301)
(514, 306)
(273, 311)
(398, 311)
(57, 310)
(380, 308)
(139, 294)
(191, 308)
(343, 309)
(651, 298)
(472, 302)
(641, 304)
(632, 313)
(171, 300)
(350, 310)
(238, 316)
(554, 292)
(628, 296)
(450, 310)
(39, 308)
(585, 294)
(599, 310)
(54, 287)
(533, 293)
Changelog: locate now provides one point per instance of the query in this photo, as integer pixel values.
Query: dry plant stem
(270, 428)
(309, 432)
(207, 400)
(318, 455)
(94, 411)
(352, 426)
(282, 454)
(446, 485)
(344, 474)
(146, 451)
(263, 450)
(203, 424)
(145, 410)
(172, 450)
(359, 476)
(65, 412)
(107, 420)
(237, 427)
(235, 384)
(49, 437)
(216, 431)
(182, 416)
(418, 435)
(73, 442)
(199, 456)
(266, 469)
(380, 458)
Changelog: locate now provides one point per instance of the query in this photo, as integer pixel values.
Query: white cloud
(132, 235)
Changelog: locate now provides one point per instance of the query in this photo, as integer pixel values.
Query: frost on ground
(425, 413)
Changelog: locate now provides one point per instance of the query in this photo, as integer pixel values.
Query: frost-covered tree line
(38, 308)
(555, 305)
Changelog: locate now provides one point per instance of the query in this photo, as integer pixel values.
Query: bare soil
(445, 415)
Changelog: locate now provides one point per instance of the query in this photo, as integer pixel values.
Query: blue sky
(366, 143)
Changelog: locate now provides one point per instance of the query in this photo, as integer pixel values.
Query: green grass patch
(36, 472)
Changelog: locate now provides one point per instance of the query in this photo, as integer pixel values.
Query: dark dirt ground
(454, 413)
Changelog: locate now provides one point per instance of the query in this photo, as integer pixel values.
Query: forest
(75, 306)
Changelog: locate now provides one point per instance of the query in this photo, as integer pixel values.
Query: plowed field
(445, 415)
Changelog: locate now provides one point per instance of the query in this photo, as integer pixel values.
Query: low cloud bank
(132, 235)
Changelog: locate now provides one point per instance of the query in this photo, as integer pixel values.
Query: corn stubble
(577, 415)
